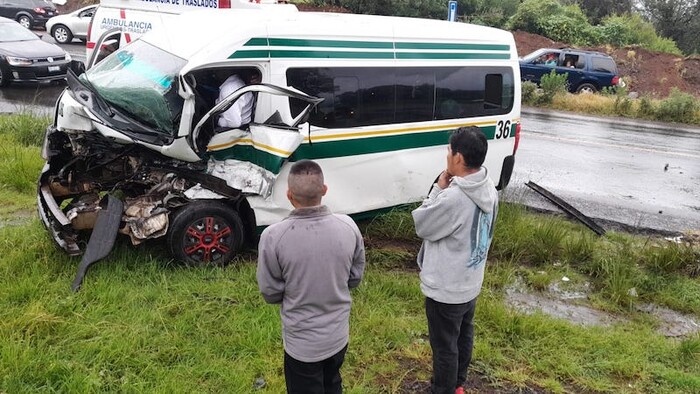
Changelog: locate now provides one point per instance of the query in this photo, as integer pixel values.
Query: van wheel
(61, 34)
(205, 233)
(25, 21)
(586, 88)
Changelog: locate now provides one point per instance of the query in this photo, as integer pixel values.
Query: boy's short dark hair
(471, 142)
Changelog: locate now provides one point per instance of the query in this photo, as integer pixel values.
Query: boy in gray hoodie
(456, 223)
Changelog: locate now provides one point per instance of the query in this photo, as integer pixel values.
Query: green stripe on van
(312, 43)
(298, 54)
(291, 42)
(247, 54)
(451, 46)
(448, 55)
(345, 147)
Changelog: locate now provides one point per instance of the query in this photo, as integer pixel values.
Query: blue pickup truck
(587, 71)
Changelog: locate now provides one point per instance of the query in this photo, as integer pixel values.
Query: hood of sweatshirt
(479, 188)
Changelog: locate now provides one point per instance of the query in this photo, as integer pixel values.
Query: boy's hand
(444, 180)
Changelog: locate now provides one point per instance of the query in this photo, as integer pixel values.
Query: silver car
(64, 28)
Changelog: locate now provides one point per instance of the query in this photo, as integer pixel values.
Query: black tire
(4, 76)
(586, 88)
(205, 233)
(25, 21)
(61, 34)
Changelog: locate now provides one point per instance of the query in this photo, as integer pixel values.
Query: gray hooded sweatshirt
(456, 225)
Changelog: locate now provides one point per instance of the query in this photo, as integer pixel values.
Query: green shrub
(529, 93)
(678, 107)
(552, 84)
(622, 105)
(632, 29)
(646, 108)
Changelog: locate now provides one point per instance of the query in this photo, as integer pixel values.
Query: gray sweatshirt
(309, 262)
(456, 225)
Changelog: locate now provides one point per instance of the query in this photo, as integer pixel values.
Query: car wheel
(25, 21)
(61, 34)
(4, 76)
(586, 88)
(205, 233)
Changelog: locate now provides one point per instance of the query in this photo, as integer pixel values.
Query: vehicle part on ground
(586, 88)
(567, 208)
(205, 232)
(102, 239)
(61, 34)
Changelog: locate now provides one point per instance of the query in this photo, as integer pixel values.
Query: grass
(668, 110)
(144, 324)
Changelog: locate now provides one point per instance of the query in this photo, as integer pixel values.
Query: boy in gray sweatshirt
(456, 223)
(308, 263)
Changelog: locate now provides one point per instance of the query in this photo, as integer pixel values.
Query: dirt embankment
(646, 72)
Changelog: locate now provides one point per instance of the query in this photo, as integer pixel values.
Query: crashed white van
(135, 145)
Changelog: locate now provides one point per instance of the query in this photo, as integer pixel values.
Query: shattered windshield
(141, 81)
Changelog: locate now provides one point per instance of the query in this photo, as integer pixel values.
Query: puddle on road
(570, 305)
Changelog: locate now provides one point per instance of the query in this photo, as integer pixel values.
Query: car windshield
(532, 56)
(15, 32)
(141, 81)
(40, 3)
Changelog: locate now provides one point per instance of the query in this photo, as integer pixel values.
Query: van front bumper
(53, 218)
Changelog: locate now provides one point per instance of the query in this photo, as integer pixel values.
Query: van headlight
(18, 61)
(68, 58)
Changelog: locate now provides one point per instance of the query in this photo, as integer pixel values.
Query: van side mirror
(77, 67)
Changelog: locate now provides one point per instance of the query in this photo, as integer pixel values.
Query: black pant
(321, 377)
(451, 332)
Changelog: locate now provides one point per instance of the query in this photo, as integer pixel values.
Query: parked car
(64, 28)
(29, 13)
(24, 57)
(587, 71)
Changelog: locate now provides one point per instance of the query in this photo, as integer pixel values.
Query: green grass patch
(144, 324)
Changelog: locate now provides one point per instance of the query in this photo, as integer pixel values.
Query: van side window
(388, 95)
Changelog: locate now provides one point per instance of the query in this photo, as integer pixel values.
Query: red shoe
(459, 390)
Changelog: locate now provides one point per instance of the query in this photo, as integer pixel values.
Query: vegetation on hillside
(583, 23)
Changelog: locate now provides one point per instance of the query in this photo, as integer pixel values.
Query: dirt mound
(646, 72)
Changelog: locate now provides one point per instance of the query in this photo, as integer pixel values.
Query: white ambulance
(372, 99)
(119, 22)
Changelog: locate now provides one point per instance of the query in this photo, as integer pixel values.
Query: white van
(119, 22)
(372, 99)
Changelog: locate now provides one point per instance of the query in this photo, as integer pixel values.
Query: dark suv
(29, 13)
(587, 71)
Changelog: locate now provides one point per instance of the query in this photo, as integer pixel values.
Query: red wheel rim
(208, 239)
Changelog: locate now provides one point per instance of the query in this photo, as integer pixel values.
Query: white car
(64, 28)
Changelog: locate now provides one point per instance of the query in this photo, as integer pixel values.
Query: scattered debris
(566, 207)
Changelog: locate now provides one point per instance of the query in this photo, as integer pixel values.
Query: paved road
(631, 172)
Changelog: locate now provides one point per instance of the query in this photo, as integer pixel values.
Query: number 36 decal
(503, 129)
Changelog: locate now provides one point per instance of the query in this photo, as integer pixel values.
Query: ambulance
(119, 22)
(373, 99)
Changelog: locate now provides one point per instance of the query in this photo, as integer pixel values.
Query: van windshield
(141, 81)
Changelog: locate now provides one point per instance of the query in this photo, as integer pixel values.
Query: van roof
(222, 33)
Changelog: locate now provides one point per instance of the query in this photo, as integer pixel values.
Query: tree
(675, 19)
(596, 10)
